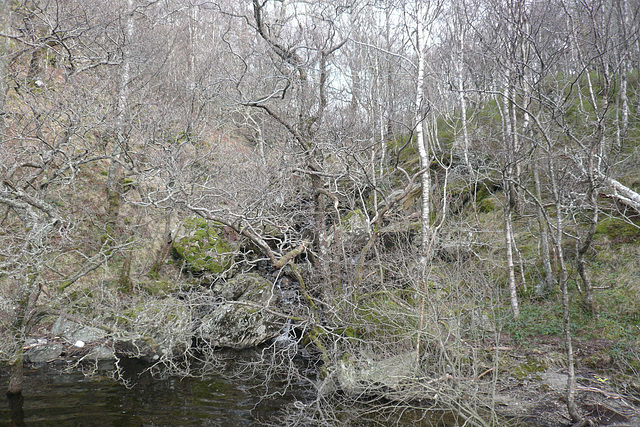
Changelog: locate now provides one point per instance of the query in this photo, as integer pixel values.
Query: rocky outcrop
(238, 313)
(371, 374)
(243, 316)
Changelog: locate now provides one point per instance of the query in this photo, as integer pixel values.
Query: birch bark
(423, 148)
(5, 20)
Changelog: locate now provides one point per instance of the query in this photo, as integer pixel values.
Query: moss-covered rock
(489, 204)
(530, 369)
(161, 287)
(203, 248)
(383, 314)
(355, 376)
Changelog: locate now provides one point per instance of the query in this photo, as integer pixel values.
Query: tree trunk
(511, 275)
(510, 194)
(5, 21)
(423, 149)
(583, 245)
(462, 99)
(16, 374)
(20, 328)
(622, 193)
(549, 279)
(562, 279)
(119, 147)
(16, 408)
(165, 247)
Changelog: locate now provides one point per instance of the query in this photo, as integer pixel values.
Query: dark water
(55, 397)
(52, 398)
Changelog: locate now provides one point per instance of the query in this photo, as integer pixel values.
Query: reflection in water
(71, 399)
(16, 409)
(54, 398)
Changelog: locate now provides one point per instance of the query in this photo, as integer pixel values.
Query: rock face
(356, 225)
(237, 313)
(100, 354)
(239, 320)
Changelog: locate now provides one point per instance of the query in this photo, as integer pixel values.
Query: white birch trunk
(624, 100)
(123, 101)
(622, 193)
(505, 113)
(423, 148)
(508, 236)
(462, 99)
(5, 20)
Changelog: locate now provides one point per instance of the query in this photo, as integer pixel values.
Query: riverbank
(528, 389)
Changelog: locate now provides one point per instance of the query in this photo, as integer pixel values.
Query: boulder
(368, 374)
(203, 248)
(356, 225)
(156, 328)
(240, 320)
(44, 353)
(100, 354)
(73, 331)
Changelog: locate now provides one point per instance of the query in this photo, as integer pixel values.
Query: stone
(100, 353)
(356, 225)
(74, 331)
(203, 248)
(480, 322)
(156, 329)
(240, 321)
(368, 374)
(44, 353)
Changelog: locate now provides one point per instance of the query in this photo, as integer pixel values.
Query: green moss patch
(619, 231)
(202, 247)
(531, 368)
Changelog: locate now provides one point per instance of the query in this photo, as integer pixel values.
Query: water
(52, 398)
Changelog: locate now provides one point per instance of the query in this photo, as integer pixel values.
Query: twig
(484, 373)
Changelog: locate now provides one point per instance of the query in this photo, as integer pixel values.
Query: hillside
(412, 207)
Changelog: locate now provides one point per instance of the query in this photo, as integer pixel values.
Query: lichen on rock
(240, 320)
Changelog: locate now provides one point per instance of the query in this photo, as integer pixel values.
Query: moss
(405, 151)
(128, 184)
(619, 231)
(160, 287)
(356, 223)
(632, 180)
(489, 204)
(203, 248)
(529, 369)
(381, 315)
